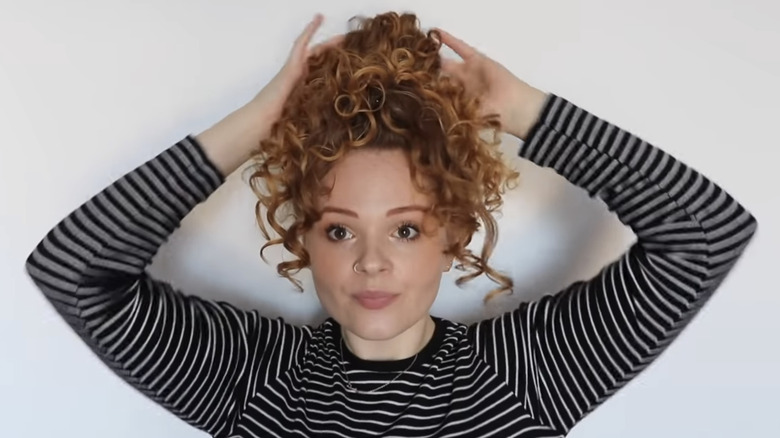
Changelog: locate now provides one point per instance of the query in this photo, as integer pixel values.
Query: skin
(371, 236)
(411, 269)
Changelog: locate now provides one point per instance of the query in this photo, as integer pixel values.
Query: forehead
(372, 180)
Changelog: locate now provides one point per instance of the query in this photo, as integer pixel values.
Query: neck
(405, 345)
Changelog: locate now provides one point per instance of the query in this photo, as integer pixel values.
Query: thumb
(330, 42)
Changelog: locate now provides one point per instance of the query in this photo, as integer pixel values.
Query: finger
(452, 67)
(449, 65)
(463, 50)
(302, 42)
(330, 42)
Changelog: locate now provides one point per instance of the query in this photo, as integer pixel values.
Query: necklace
(349, 383)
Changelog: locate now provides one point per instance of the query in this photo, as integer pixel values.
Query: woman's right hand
(230, 142)
(272, 97)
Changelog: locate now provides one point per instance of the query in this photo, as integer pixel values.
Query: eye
(408, 231)
(338, 232)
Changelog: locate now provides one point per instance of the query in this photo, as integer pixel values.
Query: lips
(375, 300)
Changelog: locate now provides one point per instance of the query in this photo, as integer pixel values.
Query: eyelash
(402, 225)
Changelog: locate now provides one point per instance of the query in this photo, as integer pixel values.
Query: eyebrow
(390, 212)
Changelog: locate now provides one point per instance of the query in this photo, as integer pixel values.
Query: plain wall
(91, 89)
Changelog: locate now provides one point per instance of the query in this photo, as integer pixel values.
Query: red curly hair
(382, 87)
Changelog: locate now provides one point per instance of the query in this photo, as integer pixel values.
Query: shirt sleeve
(197, 358)
(566, 353)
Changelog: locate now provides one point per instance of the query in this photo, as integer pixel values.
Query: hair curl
(382, 87)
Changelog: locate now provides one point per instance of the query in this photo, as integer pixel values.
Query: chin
(378, 326)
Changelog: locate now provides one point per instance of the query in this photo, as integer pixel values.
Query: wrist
(230, 142)
(527, 105)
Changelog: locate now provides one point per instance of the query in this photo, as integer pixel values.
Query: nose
(372, 259)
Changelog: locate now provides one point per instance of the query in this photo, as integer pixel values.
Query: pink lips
(374, 300)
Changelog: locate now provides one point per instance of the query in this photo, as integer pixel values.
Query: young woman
(371, 142)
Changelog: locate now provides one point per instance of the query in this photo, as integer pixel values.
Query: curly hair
(382, 87)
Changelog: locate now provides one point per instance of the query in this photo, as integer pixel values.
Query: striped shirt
(535, 371)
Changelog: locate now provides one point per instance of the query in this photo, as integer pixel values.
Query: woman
(377, 230)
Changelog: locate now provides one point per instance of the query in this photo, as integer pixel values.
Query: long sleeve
(197, 358)
(566, 353)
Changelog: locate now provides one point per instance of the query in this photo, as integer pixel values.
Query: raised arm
(190, 355)
(199, 359)
(566, 353)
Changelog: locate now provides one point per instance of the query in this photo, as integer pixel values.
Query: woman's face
(374, 269)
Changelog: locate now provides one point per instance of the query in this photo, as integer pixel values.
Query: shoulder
(453, 338)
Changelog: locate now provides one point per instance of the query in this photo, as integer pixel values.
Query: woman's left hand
(517, 104)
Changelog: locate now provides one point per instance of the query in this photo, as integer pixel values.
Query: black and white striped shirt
(532, 372)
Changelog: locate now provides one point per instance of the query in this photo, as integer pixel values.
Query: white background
(91, 89)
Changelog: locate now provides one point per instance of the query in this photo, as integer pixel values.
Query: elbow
(30, 264)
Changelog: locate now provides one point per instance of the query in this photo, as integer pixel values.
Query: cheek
(421, 267)
(325, 260)
(416, 266)
(419, 259)
(330, 270)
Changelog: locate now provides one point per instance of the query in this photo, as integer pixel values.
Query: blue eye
(337, 232)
